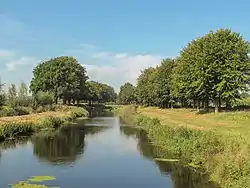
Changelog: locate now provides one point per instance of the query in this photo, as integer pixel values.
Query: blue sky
(113, 39)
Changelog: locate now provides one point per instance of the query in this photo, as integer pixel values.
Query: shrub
(8, 111)
(43, 99)
(50, 122)
(25, 101)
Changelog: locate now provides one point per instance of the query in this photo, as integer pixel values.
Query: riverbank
(13, 126)
(217, 143)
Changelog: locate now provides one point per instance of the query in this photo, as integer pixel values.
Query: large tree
(163, 81)
(127, 94)
(146, 90)
(63, 76)
(214, 67)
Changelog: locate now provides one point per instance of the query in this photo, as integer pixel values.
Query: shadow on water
(182, 176)
(65, 146)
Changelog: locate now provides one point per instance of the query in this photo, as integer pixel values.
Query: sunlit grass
(11, 127)
(217, 143)
(225, 121)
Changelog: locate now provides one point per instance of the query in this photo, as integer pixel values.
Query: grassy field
(223, 122)
(13, 126)
(218, 143)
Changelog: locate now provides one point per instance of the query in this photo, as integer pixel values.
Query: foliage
(13, 126)
(127, 94)
(99, 92)
(211, 70)
(63, 76)
(43, 98)
(146, 87)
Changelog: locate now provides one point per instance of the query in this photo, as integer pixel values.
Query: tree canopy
(67, 79)
(63, 76)
(127, 94)
(212, 69)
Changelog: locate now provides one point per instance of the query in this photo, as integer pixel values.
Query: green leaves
(213, 68)
(127, 94)
(63, 76)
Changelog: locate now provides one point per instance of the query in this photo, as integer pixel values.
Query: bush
(7, 111)
(43, 99)
(14, 111)
(78, 112)
(25, 101)
(50, 122)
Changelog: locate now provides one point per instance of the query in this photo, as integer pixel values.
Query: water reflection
(13, 143)
(182, 177)
(64, 146)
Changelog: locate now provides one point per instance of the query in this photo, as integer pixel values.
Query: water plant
(28, 184)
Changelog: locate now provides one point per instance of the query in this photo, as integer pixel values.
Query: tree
(63, 76)
(12, 95)
(163, 81)
(99, 92)
(2, 96)
(127, 94)
(23, 90)
(215, 67)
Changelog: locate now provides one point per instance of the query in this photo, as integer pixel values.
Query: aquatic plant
(28, 184)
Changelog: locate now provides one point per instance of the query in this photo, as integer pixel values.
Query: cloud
(115, 68)
(24, 60)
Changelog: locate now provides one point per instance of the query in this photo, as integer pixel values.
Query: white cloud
(24, 60)
(116, 68)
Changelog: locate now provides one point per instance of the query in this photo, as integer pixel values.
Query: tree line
(212, 70)
(60, 78)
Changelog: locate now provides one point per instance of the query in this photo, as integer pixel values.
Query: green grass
(11, 127)
(221, 149)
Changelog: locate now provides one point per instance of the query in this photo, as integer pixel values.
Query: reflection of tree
(185, 177)
(63, 146)
(182, 177)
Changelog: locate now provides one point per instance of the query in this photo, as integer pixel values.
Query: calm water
(100, 154)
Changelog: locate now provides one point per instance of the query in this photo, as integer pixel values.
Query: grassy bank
(214, 142)
(13, 126)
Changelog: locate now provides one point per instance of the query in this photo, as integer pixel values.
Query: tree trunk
(89, 102)
(193, 103)
(64, 100)
(198, 106)
(228, 106)
(78, 102)
(216, 106)
(206, 105)
(56, 100)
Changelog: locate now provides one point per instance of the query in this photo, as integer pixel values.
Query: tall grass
(16, 126)
(225, 156)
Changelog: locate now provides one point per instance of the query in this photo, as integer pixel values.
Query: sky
(114, 40)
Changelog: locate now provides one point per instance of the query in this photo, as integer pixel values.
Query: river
(97, 153)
